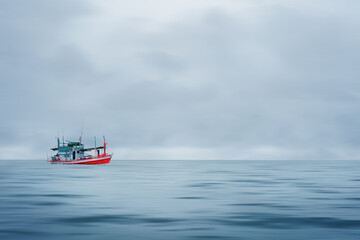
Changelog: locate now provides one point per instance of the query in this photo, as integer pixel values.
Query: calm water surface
(180, 200)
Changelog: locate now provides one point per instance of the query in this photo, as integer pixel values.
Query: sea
(180, 200)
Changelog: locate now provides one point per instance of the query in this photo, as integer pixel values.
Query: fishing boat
(75, 153)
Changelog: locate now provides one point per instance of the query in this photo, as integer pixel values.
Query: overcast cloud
(199, 79)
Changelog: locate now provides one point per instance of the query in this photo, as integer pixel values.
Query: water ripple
(277, 221)
(116, 219)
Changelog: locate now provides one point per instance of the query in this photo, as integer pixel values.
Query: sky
(189, 79)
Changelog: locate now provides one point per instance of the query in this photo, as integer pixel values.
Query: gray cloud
(277, 83)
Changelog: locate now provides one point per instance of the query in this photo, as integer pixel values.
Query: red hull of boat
(102, 159)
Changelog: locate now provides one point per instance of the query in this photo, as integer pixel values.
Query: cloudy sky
(189, 79)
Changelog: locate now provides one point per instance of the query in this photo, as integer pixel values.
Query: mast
(104, 145)
(95, 146)
(82, 127)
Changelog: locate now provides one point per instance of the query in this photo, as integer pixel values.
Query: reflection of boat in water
(75, 153)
